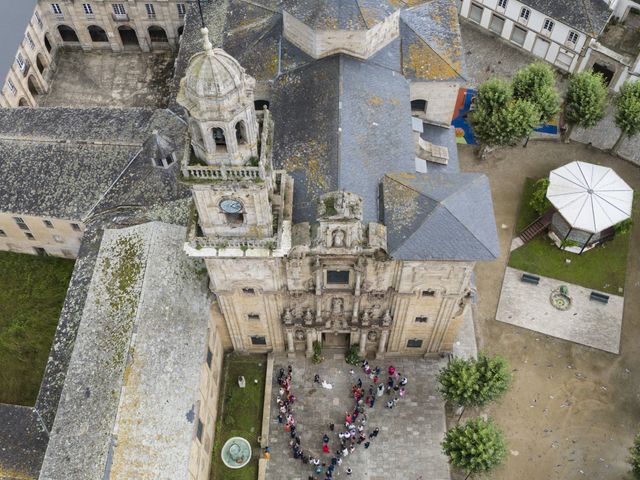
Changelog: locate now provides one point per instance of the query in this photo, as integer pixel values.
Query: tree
(627, 111)
(586, 99)
(634, 458)
(498, 118)
(539, 201)
(475, 447)
(474, 383)
(536, 83)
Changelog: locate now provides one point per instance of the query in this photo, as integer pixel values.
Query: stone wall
(441, 99)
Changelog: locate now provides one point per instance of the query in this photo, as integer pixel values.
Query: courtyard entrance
(335, 340)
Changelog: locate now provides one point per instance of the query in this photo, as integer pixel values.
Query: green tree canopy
(539, 201)
(628, 108)
(536, 83)
(473, 383)
(477, 446)
(498, 118)
(634, 458)
(586, 99)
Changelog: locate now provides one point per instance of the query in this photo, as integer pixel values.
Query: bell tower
(218, 96)
(239, 197)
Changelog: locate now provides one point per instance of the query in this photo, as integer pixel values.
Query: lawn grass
(32, 291)
(240, 413)
(602, 268)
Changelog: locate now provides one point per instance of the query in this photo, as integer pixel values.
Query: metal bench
(528, 278)
(599, 297)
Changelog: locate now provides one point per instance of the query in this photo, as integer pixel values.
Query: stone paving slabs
(408, 446)
(586, 322)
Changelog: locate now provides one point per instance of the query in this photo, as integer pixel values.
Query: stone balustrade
(222, 173)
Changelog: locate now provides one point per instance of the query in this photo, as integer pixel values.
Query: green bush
(623, 227)
(352, 357)
(539, 201)
(317, 352)
(634, 458)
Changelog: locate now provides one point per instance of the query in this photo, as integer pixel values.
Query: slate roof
(69, 163)
(340, 14)
(117, 377)
(23, 441)
(15, 18)
(340, 124)
(439, 216)
(589, 16)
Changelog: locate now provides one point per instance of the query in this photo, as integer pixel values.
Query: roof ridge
(361, 14)
(434, 51)
(588, 17)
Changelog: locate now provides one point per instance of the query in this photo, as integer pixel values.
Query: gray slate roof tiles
(589, 16)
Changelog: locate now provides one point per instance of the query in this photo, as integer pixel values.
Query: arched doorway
(34, 88)
(260, 104)
(218, 137)
(157, 34)
(23, 102)
(97, 34)
(241, 133)
(128, 36)
(47, 43)
(41, 63)
(67, 34)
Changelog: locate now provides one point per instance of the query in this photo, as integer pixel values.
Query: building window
(88, 9)
(48, 223)
(75, 227)
(428, 293)
(3, 233)
(248, 291)
(58, 239)
(338, 277)
(199, 430)
(181, 9)
(29, 235)
(20, 61)
(253, 316)
(525, 13)
(475, 13)
(518, 35)
(502, 3)
(573, 37)
(56, 8)
(497, 24)
(12, 87)
(422, 319)
(414, 343)
(209, 357)
(21, 223)
(39, 21)
(548, 25)
(30, 41)
(118, 9)
(151, 12)
(258, 340)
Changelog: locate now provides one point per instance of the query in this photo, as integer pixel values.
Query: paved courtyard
(587, 322)
(107, 79)
(408, 446)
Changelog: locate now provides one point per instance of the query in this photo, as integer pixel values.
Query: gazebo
(589, 200)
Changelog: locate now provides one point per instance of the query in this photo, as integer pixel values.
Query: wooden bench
(528, 278)
(599, 297)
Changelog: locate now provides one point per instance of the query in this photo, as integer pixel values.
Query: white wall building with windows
(557, 32)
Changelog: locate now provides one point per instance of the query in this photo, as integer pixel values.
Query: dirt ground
(572, 411)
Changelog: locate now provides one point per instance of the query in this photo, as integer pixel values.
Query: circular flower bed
(560, 300)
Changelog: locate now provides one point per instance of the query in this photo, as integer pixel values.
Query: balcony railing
(200, 172)
(120, 17)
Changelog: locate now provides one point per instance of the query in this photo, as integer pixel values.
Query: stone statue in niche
(338, 238)
(299, 334)
(287, 317)
(337, 306)
(386, 320)
(308, 317)
(366, 318)
(372, 336)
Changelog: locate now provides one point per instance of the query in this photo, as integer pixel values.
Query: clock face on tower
(231, 206)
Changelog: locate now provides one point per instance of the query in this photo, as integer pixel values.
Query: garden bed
(32, 291)
(239, 413)
(603, 268)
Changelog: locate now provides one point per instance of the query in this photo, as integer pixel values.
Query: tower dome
(213, 73)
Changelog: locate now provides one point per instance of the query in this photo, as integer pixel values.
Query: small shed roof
(589, 197)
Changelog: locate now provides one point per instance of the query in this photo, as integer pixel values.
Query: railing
(217, 173)
(222, 243)
(120, 17)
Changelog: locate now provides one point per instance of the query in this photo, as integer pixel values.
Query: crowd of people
(350, 434)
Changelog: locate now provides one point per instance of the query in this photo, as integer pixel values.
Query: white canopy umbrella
(589, 197)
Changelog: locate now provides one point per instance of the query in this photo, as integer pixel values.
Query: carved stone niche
(372, 336)
(299, 335)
